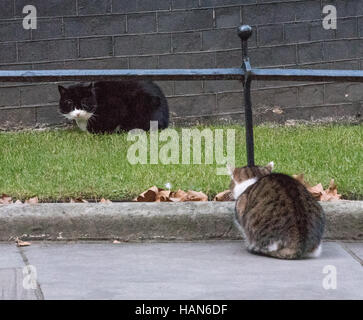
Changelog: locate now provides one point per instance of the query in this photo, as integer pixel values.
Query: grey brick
(142, 44)
(285, 97)
(105, 63)
(7, 9)
(192, 60)
(95, 47)
(222, 3)
(317, 32)
(94, 7)
(188, 87)
(49, 115)
(308, 10)
(48, 29)
(13, 31)
(360, 26)
(343, 92)
(273, 56)
(47, 8)
(228, 17)
(144, 62)
(272, 34)
(220, 39)
(348, 8)
(141, 23)
(310, 52)
(347, 28)
(229, 59)
(15, 118)
(94, 25)
(184, 4)
(343, 49)
(311, 95)
(167, 87)
(38, 94)
(185, 20)
(230, 102)
(186, 42)
(297, 32)
(192, 105)
(7, 52)
(21, 66)
(9, 97)
(49, 65)
(272, 13)
(47, 50)
(126, 6)
(219, 86)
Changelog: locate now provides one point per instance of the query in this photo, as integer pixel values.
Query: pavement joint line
(38, 292)
(349, 251)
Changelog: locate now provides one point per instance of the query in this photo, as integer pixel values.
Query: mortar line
(38, 291)
(350, 252)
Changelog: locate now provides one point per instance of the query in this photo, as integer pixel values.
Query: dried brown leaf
(21, 243)
(224, 196)
(316, 191)
(150, 195)
(103, 200)
(300, 177)
(194, 196)
(5, 199)
(34, 200)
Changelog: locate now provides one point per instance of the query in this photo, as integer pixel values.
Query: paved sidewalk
(177, 270)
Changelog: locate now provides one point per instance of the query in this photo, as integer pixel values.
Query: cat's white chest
(82, 124)
(241, 187)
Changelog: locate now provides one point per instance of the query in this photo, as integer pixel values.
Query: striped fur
(277, 214)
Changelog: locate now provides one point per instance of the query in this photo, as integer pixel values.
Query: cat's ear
(230, 170)
(62, 90)
(270, 166)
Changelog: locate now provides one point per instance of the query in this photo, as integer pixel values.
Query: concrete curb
(130, 221)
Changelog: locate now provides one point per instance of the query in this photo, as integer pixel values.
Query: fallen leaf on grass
(116, 241)
(34, 200)
(18, 202)
(155, 194)
(149, 195)
(103, 200)
(224, 196)
(78, 200)
(5, 199)
(194, 196)
(21, 243)
(300, 177)
(318, 192)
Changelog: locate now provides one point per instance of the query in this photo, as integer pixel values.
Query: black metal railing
(246, 74)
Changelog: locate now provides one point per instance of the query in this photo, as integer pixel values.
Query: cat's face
(77, 102)
(242, 178)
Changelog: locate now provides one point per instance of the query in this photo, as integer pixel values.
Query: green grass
(56, 165)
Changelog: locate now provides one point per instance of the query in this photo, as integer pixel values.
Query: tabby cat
(276, 213)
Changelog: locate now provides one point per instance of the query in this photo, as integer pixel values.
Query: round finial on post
(244, 32)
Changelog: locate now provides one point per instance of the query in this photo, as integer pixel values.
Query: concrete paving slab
(189, 270)
(356, 249)
(11, 275)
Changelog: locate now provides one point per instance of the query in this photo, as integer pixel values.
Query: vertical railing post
(244, 32)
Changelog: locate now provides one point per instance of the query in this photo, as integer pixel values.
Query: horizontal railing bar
(307, 75)
(180, 74)
(119, 74)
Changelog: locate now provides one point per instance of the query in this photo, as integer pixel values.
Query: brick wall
(185, 34)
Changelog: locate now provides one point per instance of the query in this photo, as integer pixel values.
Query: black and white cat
(113, 106)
